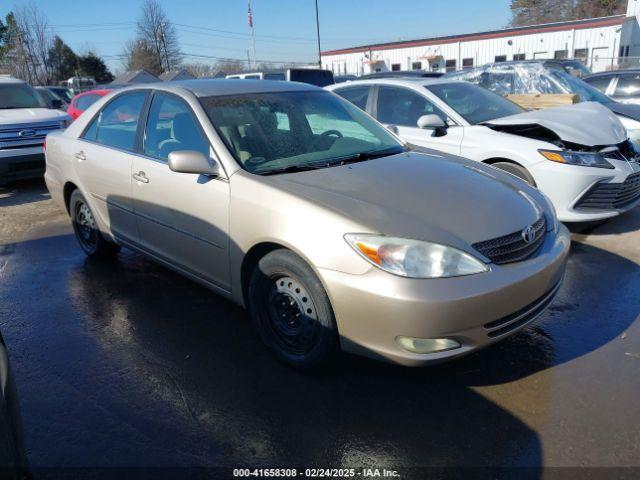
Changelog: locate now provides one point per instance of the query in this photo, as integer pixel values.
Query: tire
(87, 233)
(514, 169)
(291, 311)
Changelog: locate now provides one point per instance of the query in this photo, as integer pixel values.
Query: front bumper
(374, 308)
(21, 163)
(568, 185)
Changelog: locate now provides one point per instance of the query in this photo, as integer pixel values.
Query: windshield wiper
(363, 156)
(290, 169)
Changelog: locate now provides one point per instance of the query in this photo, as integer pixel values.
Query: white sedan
(578, 155)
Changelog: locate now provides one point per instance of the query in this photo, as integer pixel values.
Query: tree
(158, 33)
(230, 66)
(140, 55)
(91, 65)
(62, 60)
(532, 12)
(599, 8)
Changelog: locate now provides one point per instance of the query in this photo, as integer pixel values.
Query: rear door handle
(80, 156)
(140, 177)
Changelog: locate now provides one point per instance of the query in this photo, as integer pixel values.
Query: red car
(84, 100)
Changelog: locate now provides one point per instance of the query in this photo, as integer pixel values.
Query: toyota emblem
(529, 234)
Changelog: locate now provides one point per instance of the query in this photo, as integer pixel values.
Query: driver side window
(403, 107)
(172, 126)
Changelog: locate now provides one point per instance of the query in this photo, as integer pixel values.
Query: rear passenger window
(172, 126)
(85, 101)
(117, 123)
(356, 95)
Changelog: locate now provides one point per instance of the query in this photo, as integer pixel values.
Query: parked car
(621, 85)
(25, 119)
(13, 461)
(84, 100)
(543, 77)
(323, 223)
(344, 78)
(64, 93)
(589, 173)
(51, 99)
(401, 74)
(312, 76)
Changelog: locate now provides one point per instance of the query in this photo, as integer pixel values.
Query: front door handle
(140, 177)
(80, 156)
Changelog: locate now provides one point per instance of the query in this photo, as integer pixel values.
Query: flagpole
(318, 31)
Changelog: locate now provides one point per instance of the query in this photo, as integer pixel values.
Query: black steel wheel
(291, 310)
(86, 229)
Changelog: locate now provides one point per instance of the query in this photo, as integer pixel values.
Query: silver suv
(25, 121)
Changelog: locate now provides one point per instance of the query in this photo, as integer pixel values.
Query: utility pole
(318, 31)
(253, 38)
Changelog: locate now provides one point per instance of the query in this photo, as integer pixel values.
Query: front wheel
(87, 233)
(514, 169)
(291, 310)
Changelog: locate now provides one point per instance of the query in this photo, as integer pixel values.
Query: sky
(285, 30)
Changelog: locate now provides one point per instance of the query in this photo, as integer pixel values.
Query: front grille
(611, 196)
(33, 134)
(513, 247)
(523, 316)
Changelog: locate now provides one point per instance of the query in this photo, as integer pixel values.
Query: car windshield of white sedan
(474, 104)
(290, 131)
(19, 95)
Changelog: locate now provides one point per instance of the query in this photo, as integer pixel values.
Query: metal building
(601, 43)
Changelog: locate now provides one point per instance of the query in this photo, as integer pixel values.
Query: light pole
(318, 31)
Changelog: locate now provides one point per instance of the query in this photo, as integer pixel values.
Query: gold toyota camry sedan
(297, 205)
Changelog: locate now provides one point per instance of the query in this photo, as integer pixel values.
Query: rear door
(399, 109)
(182, 218)
(103, 158)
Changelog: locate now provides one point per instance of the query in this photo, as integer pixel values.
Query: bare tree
(28, 43)
(138, 54)
(157, 31)
(230, 66)
(201, 70)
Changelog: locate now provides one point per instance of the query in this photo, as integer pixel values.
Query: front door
(103, 160)
(182, 218)
(400, 108)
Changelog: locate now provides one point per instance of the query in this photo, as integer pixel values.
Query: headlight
(585, 159)
(65, 123)
(414, 258)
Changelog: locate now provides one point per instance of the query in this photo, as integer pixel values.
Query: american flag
(250, 17)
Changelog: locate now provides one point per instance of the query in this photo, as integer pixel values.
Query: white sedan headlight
(414, 258)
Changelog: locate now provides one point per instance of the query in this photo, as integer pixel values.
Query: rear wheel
(87, 233)
(291, 310)
(516, 170)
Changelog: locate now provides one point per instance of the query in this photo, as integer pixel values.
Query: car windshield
(573, 84)
(288, 131)
(20, 95)
(474, 104)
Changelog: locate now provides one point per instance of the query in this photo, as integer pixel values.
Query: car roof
(10, 80)
(403, 81)
(218, 87)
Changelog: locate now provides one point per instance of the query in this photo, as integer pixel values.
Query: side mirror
(431, 121)
(191, 161)
(57, 104)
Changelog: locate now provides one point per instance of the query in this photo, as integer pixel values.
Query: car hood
(30, 115)
(586, 123)
(432, 197)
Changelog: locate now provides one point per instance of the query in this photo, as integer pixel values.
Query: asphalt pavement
(126, 364)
